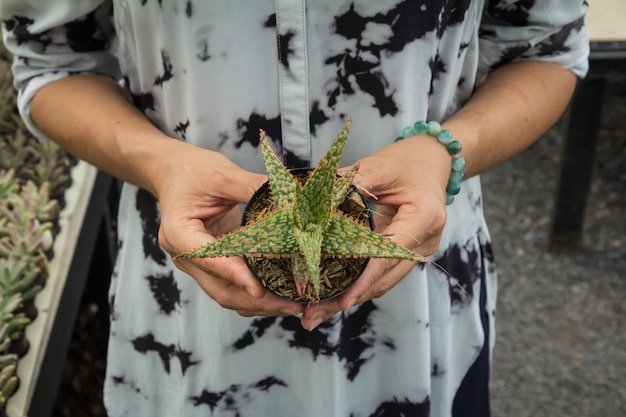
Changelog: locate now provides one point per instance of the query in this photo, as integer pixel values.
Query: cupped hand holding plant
(199, 192)
(305, 224)
(406, 180)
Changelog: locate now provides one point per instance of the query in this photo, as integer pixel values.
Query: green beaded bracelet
(444, 136)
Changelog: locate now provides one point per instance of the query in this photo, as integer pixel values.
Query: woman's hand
(408, 179)
(199, 192)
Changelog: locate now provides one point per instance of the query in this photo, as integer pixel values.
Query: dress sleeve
(51, 40)
(546, 30)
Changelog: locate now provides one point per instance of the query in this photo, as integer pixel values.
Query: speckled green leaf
(318, 190)
(345, 237)
(310, 244)
(342, 185)
(282, 183)
(270, 235)
(301, 274)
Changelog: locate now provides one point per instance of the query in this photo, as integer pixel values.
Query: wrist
(144, 152)
(456, 163)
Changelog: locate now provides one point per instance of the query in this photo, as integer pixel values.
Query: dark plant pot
(20, 345)
(29, 309)
(336, 274)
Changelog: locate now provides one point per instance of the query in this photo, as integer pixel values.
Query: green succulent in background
(16, 152)
(32, 173)
(8, 380)
(12, 323)
(36, 200)
(51, 166)
(10, 120)
(8, 185)
(39, 162)
(305, 224)
(12, 326)
(26, 222)
(31, 241)
(18, 275)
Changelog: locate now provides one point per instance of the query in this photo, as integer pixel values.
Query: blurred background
(561, 316)
(561, 319)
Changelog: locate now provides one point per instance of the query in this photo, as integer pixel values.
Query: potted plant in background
(33, 177)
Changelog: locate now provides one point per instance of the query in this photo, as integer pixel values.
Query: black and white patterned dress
(212, 73)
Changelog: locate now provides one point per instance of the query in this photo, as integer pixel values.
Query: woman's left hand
(408, 179)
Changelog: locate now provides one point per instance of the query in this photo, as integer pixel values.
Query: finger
(380, 276)
(239, 187)
(315, 314)
(231, 270)
(375, 281)
(416, 232)
(220, 225)
(255, 301)
(281, 312)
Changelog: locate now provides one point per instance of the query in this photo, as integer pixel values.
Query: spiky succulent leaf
(310, 245)
(342, 186)
(345, 237)
(282, 184)
(301, 274)
(317, 194)
(270, 235)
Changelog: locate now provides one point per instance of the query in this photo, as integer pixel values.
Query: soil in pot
(336, 274)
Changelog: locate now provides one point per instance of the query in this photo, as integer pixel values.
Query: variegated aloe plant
(305, 223)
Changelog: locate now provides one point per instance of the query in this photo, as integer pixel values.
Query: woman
(199, 80)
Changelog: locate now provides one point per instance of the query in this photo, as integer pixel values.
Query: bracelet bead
(458, 163)
(433, 128)
(457, 177)
(420, 127)
(444, 137)
(453, 189)
(454, 147)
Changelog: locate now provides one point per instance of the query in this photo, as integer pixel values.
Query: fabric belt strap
(293, 77)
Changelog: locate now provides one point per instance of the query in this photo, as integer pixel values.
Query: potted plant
(306, 238)
(33, 179)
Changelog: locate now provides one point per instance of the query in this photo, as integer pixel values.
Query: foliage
(33, 175)
(305, 223)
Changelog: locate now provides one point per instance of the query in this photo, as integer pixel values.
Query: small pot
(20, 346)
(336, 274)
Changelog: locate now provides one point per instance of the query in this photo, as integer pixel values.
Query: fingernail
(317, 319)
(250, 291)
(350, 304)
(315, 323)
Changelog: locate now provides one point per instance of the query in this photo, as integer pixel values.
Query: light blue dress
(212, 73)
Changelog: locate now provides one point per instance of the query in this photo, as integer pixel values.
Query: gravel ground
(561, 329)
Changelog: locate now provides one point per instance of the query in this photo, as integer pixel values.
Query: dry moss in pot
(336, 273)
(305, 227)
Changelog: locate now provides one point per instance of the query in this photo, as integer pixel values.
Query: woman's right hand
(199, 192)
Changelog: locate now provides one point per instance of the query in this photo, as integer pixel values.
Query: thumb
(242, 188)
(417, 228)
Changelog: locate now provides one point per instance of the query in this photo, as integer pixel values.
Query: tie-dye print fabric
(212, 73)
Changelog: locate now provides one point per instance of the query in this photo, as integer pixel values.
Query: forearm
(95, 122)
(513, 107)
